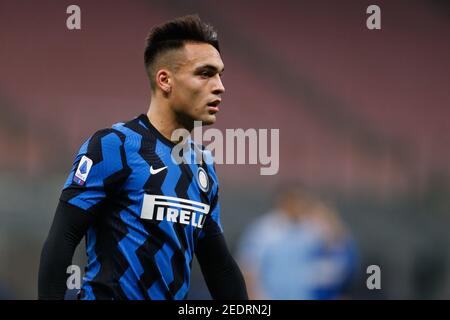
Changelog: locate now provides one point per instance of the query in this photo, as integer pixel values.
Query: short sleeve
(98, 171)
(212, 225)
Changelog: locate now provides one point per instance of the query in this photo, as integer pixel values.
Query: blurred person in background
(300, 250)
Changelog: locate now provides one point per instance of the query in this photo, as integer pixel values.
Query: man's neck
(163, 119)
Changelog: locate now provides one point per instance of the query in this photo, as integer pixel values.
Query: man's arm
(98, 173)
(68, 228)
(221, 272)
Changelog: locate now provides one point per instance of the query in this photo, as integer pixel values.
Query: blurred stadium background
(364, 119)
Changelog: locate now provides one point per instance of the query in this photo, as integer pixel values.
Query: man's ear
(164, 80)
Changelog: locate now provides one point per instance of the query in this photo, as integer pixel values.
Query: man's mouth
(214, 103)
(213, 106)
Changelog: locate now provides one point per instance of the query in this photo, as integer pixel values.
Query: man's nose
(218, 86)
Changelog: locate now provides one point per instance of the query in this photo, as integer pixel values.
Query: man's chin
(209, 120)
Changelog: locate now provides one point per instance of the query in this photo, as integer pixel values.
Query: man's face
(197, 87)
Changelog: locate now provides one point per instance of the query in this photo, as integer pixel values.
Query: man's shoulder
(105, 136)
(114, 136)
(127, 128)
(130, 128)
(101, 145)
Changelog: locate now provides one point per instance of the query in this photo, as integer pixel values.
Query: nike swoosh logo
(155, 171)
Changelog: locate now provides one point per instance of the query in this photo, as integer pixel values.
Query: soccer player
(145, 216)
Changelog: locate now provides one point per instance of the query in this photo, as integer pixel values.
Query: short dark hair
(173, 35)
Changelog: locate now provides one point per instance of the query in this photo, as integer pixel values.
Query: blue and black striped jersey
(149, 211)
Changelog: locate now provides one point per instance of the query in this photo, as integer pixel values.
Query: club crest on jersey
(174, 209)
(202, 179)
(82, 172)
